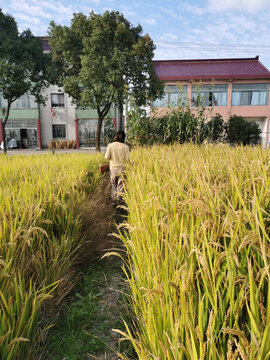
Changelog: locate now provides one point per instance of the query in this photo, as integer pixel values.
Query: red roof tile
(246, 68)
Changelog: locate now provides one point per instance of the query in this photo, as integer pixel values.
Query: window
(57, 100)
(250, 94)
(3, 102)
(173, 95)
(209, 95)
(59, 131)
(24, 102)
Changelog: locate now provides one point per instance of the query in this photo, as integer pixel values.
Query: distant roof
(243, 68)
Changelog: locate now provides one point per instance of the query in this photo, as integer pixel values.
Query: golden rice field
(39, 238)
(199, 252)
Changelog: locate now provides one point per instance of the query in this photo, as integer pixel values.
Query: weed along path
(83, 329)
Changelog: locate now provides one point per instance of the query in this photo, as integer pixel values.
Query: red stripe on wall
(39, 134)
(77, 132)
(1, 132)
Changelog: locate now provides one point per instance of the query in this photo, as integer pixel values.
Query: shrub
(240, 131)
(254, 133)
(180, 125)
(215, 128)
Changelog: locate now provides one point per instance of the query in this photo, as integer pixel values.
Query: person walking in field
(118, 154)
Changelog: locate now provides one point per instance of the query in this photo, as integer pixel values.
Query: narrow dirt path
(98, 298)
(99, 223)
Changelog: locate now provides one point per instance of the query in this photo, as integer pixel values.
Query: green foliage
(140, 127)
(103, 58)
(80, 315)
(215, 129)
(240, 131)
(109, 130)
(178, 124)
(23, 66)
(8, 34)
(89, 316)
(254, 133)
(22, 62)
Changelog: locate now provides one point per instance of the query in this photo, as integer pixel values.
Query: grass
(69, 337)
(91, 312)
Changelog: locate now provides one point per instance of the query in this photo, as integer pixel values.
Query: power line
(214, 47)
(209, 44)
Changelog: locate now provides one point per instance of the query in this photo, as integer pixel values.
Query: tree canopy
(101, 59)
(23, 66)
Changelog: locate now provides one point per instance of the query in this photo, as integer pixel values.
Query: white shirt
(118, 154)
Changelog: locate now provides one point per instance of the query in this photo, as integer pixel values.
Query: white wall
(65, 115)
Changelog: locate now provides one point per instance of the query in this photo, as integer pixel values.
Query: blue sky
(183, 29)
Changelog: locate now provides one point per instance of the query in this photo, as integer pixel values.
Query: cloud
(175, 53)
(168, 37)
(172, 13)
(195, 10)
(28, 19)
(106, 8)
(42, 9)
(224, 35)
(31, 9)
(28, 11)
(244, 5)
(125, 10)
(233, 29)
(149, 21)
(128, 13)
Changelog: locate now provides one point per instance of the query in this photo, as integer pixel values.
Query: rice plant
(198, 252)
(39, 239)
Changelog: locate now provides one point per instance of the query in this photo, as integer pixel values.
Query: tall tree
(102, 59)
(23, 66)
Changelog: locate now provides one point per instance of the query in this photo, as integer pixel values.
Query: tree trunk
(101, 116)
(121, 116)
(4, 127)
(99, 126)
(4, 137)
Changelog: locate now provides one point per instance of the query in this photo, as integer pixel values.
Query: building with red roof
(226, 86)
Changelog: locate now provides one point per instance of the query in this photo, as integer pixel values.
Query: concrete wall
(61, 115)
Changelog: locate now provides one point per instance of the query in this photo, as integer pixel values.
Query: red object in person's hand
(103, 168)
